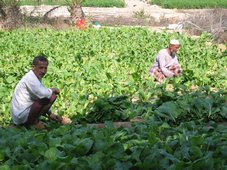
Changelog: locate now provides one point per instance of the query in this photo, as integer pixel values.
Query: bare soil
(135, 13)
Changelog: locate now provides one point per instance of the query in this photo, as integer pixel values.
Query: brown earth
(135, 13)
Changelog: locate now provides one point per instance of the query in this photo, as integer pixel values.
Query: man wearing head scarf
(166, 63)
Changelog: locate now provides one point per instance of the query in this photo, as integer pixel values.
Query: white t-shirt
(29, 89)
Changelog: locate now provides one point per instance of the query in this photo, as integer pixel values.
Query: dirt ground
(132, 14)
(135, 13)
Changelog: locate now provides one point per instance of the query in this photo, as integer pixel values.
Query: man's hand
(55, 117)
(66, 120)
(63, 120)
(55, 90)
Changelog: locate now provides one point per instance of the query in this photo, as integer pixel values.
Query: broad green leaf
(51, 154)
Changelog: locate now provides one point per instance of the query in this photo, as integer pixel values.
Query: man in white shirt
(31, 99)
(166, 63)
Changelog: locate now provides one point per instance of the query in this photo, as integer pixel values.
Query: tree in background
(74, 7)
(10, 14)
(76, 11)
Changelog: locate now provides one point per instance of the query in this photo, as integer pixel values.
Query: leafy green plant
(190, 4)
(103, 77)
(108, 109)
(86, 3)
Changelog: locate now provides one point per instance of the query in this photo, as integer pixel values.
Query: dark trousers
(40, 107)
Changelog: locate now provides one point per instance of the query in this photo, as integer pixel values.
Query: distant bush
(86, 3)
(187, 4)
(104, 3)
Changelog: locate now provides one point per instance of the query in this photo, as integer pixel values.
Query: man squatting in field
(166, 63)
(31, 99)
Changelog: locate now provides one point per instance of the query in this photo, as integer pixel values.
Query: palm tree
(10, 13)
(75, 9)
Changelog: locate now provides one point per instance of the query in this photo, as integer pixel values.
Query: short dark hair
(39, 58)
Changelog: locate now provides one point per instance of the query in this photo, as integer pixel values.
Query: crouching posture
(31, 99)
(166, 63)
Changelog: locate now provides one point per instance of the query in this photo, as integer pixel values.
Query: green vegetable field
(103, 77)
(85, 3)
(190, 4)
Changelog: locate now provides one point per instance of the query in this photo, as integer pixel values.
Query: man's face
(40, 69)
(174, 48)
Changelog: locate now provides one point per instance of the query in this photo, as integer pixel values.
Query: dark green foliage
(190, 4)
